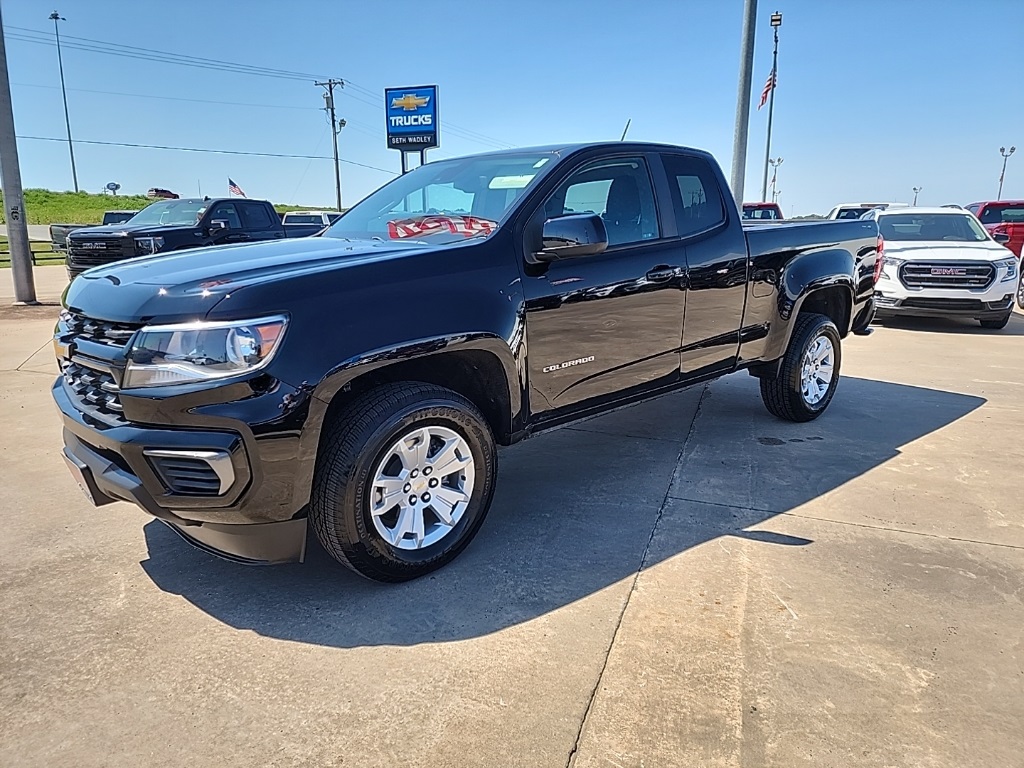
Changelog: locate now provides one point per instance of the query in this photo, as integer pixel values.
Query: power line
(147, 54)
(210, 151)
(119, 49)
(169, 98)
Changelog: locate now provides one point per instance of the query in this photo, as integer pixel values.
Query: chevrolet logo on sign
(410, 102)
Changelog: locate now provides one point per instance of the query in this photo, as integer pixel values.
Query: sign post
(412, 123)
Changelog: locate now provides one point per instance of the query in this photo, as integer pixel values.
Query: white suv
(941, 262)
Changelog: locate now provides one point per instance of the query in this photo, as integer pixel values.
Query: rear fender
(809, 272)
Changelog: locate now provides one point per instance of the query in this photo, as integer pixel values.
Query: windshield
(183, 212)
(443, 202)
(954, 227)
(1003, 214)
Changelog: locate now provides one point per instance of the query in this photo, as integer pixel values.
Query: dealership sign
(411, 117)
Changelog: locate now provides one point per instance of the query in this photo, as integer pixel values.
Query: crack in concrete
(636, 576)
(775, 513)
(626, 435)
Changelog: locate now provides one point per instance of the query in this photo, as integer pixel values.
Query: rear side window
(255, 216)
(1002, 214)
(696, 196)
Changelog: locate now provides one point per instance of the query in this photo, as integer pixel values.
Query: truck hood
(943, 250)
(124, 229)
(188, 284)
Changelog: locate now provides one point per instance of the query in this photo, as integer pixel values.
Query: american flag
(234, 189)
(769, 86)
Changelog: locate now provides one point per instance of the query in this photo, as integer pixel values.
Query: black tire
(1020, 286)
(353, 445)
(782, 395)
(998, 323)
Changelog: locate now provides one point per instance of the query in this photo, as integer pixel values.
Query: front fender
(343, 374)
(809, 272)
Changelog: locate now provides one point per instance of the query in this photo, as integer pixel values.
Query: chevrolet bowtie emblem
(410, 102)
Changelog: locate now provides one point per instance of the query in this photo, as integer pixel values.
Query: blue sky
(874, 97)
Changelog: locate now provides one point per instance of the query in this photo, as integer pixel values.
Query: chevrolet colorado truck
(173, 225)
(359, 382)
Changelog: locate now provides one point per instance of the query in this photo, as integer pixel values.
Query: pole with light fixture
(917, 191)
(55, 18)
(776, 22)
(775, 163)
(1002, 173)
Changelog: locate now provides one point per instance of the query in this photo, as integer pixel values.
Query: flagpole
(776, 23)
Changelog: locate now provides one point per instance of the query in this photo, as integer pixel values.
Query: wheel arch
(480, 367)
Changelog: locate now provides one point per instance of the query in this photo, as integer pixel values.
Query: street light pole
(739, 141)
(1006, 156)
(56, 17)
(917, 191)
(775, 163)
(776, 23)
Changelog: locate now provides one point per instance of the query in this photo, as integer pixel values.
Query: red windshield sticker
(421, 226)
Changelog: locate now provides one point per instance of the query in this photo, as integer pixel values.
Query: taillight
(880, 257)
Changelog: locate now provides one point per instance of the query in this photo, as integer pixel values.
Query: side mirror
(217, 225)
(1001, 237)
(567, 237)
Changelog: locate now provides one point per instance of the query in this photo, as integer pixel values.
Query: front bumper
(932, 306)
(116, 463)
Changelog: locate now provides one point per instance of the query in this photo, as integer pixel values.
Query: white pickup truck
(941, 262)
(299, 223)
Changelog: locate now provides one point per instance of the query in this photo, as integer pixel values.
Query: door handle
(661, 274)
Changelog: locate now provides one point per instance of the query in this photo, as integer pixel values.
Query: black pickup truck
(173, 225)
(359, 381)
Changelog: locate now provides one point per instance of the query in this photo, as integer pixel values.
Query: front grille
(99, 331)
(97, 350)
(186, 475)
(96, 391)
(84, 253)
(964, 274)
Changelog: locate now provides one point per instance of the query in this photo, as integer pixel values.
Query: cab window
(226, 212)
(696, 197)
(619, 191)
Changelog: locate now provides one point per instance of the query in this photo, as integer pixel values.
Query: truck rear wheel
(403, 481)
(808, 372)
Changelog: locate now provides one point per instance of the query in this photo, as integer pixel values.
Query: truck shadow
(574, 513)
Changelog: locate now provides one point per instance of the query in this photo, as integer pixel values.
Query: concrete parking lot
(686, 582)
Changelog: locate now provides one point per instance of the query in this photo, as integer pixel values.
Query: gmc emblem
(949, 271)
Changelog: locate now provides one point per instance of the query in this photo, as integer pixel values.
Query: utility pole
(336, 127)
(776, 23)
(739, 140)
(917, 191)
(56, 17)
(14, 201)
(1002, 173)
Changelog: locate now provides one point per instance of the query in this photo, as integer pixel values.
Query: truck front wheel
(808, 372)
(403, 481)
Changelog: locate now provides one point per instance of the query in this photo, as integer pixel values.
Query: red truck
(1004, 219)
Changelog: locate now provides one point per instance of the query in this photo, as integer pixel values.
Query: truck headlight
(1010, 266)
(161, 355)
(147, 245)
(890, 261)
